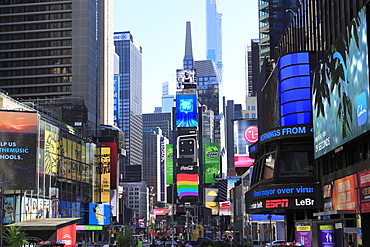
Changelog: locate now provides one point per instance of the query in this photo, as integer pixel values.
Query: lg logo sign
(304, 202)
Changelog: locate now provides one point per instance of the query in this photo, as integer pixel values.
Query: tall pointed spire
(188, 58)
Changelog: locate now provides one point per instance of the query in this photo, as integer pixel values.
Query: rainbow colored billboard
(187, 183)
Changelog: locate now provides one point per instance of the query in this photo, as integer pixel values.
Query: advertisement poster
(169, 164)
(344, 193)
(18, 150)
(303, 235)
(245, 134)
(99, 214)
(211, 162)
(211, 200)
(327, 236)
(340, 90)
(67, 235)
(364, 187)
(187, 183)
(186, 110)
(105, 173)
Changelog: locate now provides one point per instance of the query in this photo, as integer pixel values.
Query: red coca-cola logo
(67, 240)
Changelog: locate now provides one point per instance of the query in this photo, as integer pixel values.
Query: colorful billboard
(211, 161)
(18, 144)
(114, 166)
(344, 193)
(283, 197)
(187, 182)
(99, 214)
(211, 200)
(105, 159)
(364, 186)
(186, 78)
(186, 110)
(67, 235)
(169, 164)
(162, 161)
(160, 211)
(341, 89)
(245, 134)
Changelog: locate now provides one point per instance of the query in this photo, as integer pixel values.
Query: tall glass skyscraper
(214, 34)
(274, 17)
(57, 49)
(129, 108)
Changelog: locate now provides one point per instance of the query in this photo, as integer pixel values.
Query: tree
(15, 237)
(125, 238)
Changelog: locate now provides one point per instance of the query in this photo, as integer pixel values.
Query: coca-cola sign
(186, 168)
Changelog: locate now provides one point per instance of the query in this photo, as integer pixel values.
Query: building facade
(214, 34)
(130, 96)
(58, 49)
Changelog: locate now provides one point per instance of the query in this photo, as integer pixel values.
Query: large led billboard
(341, 89)
(186, 78)
(169, 164)
(18, 150)
(245, 134)
(211, 200)
(99, 214)
(295, 89)
(187, 183)
(211, 161)
(186, 110)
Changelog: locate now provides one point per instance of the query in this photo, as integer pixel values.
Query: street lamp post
(269, 217)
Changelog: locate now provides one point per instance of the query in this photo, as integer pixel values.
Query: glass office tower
(214, 34)
(55, 49)
(130, 96)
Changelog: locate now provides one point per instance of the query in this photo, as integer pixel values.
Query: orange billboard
(344, 193)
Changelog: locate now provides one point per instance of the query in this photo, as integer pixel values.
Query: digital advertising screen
(113, 163)
(185, 77)
(18, 131)
(212, 200)
(99, 214)
(169, 164)
(245, 134)
(341, 89)
(187, 183)
(211, 161)
(186, 110)
(295, 89)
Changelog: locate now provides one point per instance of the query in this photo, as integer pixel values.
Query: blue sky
(159, 26)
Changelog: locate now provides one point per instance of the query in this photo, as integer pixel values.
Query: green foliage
(15, 237)
(125, 238)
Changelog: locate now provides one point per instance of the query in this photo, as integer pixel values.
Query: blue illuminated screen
(295, 89)
(186, 110)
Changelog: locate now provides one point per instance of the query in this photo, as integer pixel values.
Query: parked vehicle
(276, 243)
(295, 244)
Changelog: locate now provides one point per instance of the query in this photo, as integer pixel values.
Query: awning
(48, 224)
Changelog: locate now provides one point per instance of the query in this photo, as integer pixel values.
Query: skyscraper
(214, 34)
(130, 96)
(168, 97)
(274, 17)
(56, 49)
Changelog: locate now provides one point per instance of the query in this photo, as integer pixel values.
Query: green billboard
(169, 164)
(211, 161)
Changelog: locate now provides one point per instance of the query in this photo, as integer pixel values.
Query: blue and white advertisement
(341, 89)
